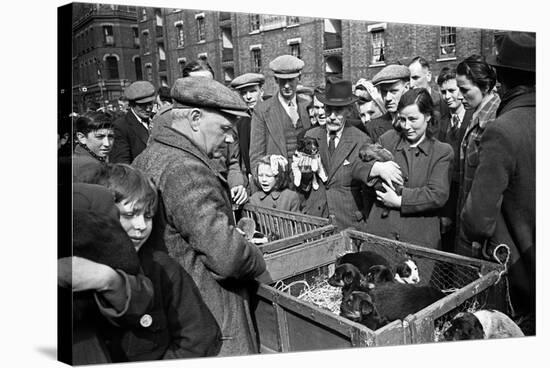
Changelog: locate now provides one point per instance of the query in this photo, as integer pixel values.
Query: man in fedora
(250, 88)
(195, 220)
(392, 81)
(342, 195)
(500, 208)
(132, 129)
(278, 122)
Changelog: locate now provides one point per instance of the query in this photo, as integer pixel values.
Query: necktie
(455, 121)
(331, 143)
(293, 113)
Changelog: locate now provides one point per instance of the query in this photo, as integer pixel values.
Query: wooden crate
(291, 228)
(286, 323)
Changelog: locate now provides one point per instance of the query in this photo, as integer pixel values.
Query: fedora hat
(516, 51)
(338, 92)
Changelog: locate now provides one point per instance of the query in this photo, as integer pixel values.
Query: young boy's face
(98, 141)
(135, 222)
(266, 178)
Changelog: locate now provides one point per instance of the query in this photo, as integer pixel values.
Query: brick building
(105, 52)
(155, 43)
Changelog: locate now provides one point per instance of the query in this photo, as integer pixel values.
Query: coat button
(146, 320)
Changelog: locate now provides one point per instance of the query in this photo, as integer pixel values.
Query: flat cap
(391, 74)
(140, 92)
(286, 66)
(205, 92)
(247, 79)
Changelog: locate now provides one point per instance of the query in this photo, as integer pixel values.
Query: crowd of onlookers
(445, 162)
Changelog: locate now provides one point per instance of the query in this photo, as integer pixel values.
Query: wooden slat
(298, 239)
(282, 324)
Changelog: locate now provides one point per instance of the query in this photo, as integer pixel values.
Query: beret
(206, 92)
(247, 79)
(140, 92)
(391, 74)
(286, 66)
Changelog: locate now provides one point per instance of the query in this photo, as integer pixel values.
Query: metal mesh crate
(286, 323)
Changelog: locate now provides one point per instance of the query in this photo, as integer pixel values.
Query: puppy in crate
(375, 152)
(306, 165)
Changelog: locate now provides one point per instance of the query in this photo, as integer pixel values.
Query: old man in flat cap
(132, 129)
(278, 122)
(195, 221)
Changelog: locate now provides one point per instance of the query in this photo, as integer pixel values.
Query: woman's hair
(281, 179)
(127, 184)
(476, 69)
(421, 98)
(92, 121)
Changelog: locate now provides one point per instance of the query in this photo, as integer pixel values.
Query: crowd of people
(448, 165)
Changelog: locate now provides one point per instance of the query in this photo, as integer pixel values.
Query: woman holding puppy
(424, 163)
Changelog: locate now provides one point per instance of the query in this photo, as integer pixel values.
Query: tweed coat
(342, 195)
(130, 139)
(196, 225)
(501, 205)
(425, 191)
(267, 136)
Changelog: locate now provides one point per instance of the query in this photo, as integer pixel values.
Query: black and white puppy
(406, 272)
(482, 324)
(308, 147)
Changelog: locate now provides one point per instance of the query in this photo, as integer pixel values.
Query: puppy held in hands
(306, 178)
(375, 152)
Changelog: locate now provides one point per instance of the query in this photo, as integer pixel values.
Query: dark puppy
(359, 307)
(349, 278)
(375, 152)
(482, 324)
(363, 260)
(397, 301)
(379, 274)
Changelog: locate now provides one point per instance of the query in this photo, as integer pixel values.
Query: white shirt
(336, 139)
(460, 117)
(286, 102)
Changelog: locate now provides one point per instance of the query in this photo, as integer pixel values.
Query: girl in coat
(273, 183)
(424, 162)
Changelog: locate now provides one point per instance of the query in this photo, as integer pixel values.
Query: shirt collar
(285, 102)
(275, 194)
(423, 147)
(138, 118)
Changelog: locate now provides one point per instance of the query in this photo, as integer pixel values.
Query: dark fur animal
(359, 307)
(305, 180)
(363, 260)
(375, 152)
(482, 324)
(379, 274)
(349, 278)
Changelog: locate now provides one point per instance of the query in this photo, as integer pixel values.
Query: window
(295, 50)
(137, 66)
(228, 75)
(291, 21)
(200, 27)
(447, 42)
(181, 63)
(147, 43)
(378, 45)
(180, 35)
(158, 17)
(256, 56)
(143, 14)
(108, 37)
(111, 63)
(254, 22)
(149, 72)
(136, 36)
(164, 81)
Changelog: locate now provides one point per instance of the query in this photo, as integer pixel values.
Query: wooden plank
(298, 239)
(295, 216)
(391, 334)
(282, 324)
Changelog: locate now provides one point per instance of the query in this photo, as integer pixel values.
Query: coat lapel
(275, 117)
(304, 114)
(141, 132)
(345, 146)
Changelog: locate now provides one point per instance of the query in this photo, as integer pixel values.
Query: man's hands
(239, 195)
(82, 274)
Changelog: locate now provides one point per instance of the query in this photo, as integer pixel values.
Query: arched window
(137, 66)
(111, 64)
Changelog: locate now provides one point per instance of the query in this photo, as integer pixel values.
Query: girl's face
(413, 122)
(266, 178)
(135, 222)
(470, 92)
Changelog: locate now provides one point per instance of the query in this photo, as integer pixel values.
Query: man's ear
(195, 116)
(81, 137)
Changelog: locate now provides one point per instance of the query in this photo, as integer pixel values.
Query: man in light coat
(195, 221)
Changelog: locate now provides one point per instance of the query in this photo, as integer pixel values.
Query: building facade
(105, 50)
(156, 43)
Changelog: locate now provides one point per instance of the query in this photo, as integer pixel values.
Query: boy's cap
(391, 74)
(205, 92)
(247, 79)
